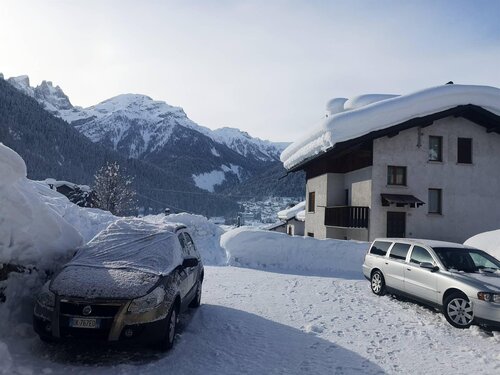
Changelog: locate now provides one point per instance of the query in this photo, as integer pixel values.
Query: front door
(396, 224)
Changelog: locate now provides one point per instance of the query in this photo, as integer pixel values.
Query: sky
(266, 67)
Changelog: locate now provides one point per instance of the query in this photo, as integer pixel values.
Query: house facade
(434, 176)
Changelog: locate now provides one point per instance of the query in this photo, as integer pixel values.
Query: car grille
(105, 312)
(76, 309)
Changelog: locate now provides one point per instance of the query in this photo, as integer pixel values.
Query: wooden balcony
(347, 216)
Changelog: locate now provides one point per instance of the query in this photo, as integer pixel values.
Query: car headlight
(148, 302)
(489, 297)
(46, 298)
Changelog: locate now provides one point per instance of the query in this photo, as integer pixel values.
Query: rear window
(399, 251)
(380, 247)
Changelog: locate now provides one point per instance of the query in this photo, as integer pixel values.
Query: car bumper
(119, 326)
(366, 271)
(486, 312)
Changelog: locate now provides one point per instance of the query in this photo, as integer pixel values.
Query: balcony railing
(347, 216)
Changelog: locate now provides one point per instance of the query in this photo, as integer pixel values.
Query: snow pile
(88, 221)
(487, 241)
(257, 248)
(363, 119)
(292, 212)
(206, 235)
(30, 231)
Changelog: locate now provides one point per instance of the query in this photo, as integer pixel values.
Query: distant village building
(81, 195)
(292, 220)
(423, 165)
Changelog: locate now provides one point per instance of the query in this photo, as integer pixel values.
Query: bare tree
(113, 190)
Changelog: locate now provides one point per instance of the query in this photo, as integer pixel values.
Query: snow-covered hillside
(143, 124)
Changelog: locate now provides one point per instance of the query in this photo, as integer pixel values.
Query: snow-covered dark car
(130, 283)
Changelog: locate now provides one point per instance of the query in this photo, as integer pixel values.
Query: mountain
(138, 127)
(52, 148)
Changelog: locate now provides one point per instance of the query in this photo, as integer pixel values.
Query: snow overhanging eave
(471, 112)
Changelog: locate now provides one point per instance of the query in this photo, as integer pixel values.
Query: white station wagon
(462, 281)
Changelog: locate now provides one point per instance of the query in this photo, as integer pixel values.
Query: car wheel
(171, 321)
(377, 283)
(196, 302)
(458, 310)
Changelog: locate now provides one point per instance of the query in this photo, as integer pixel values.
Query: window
(399, 251)
(380, 248)
(396, 175)
(420, 255)
(464, 151)
(346, 198)
(435, 201)
(310, 234)
(311, 202)
(435, 148)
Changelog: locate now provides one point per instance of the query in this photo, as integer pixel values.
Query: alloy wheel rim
(171, 330)
(376, 283)
(460, 311)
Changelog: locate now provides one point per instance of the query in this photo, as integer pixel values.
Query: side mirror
(429, 266)
(190, 262)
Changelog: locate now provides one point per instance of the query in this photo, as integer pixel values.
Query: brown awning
(401, 200)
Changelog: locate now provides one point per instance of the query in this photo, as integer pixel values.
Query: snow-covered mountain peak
(53, 97)
(245, 144)
(135, 105)
(138, 123)
(22, 83)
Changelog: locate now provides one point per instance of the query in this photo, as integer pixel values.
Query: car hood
(487, 279)
(98, 282)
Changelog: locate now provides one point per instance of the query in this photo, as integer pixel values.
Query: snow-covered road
(261, 322)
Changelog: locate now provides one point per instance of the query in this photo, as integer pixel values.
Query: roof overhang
(471, 112)
(401, 200)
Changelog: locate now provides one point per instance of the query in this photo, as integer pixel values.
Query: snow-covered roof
(351, 119)
(59, 183)
(291, 212)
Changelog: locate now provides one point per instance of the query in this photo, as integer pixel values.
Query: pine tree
(113, 190)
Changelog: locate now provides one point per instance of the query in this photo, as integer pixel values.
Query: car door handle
(386, 262)
(408, 269)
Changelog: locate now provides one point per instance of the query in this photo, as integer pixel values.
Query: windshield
(467, 260)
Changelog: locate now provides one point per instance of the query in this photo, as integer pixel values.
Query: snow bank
(382, 114)
(247, 246)
(487, 241)
(88, 221)
(30, 231)
(206, 235)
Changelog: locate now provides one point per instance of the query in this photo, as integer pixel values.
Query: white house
(425, 165)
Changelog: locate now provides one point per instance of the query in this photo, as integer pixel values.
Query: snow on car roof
(133, 244)
(382, 114)
(431, 243)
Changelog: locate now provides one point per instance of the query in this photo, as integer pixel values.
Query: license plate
(84, 323)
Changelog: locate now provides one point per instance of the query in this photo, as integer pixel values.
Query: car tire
(171, 321)
(196, 302)
(458, 311)
(377, 283)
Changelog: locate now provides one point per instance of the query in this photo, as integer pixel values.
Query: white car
(462, 281)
